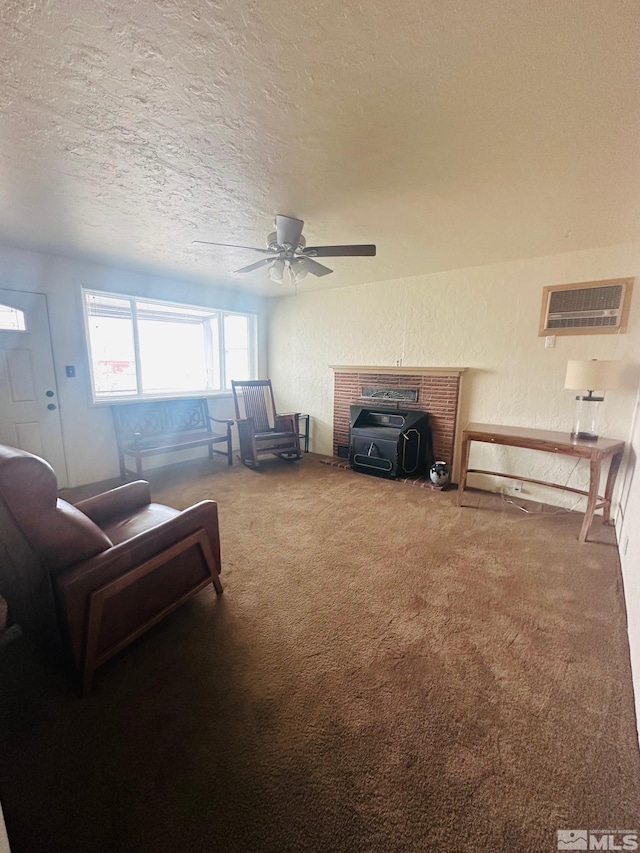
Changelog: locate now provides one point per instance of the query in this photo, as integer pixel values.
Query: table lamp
(590, 375)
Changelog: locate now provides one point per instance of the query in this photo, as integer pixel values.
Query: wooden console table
(552, 442)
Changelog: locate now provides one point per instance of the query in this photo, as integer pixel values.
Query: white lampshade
(298, 271)
(593, 375)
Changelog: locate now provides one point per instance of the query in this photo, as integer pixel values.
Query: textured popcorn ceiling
(450, 132)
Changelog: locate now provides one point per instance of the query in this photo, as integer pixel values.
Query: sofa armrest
(116, 501)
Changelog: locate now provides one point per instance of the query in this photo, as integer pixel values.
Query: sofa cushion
(124, 527)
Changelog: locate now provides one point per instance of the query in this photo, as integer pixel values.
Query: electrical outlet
(517, 486)
(550, 341)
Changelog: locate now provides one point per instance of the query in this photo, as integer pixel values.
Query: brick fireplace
(438, 392)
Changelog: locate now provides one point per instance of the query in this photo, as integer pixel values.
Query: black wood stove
(390, 442)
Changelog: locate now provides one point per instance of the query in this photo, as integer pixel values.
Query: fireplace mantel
(397, 370)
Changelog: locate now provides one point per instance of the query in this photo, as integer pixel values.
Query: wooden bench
(147, 429)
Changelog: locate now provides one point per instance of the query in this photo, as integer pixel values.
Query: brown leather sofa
(86, 580)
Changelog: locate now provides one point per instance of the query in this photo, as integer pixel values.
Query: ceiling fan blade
(367, 251)
(304, 263)
(288, 231)
(233, 246)
(256, 266)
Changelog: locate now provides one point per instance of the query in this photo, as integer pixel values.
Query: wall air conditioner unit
(586, 308)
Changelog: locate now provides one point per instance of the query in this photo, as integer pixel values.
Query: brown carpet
(384, 672)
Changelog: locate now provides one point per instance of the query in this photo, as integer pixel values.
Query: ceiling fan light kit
(289, 255)
(276, 271)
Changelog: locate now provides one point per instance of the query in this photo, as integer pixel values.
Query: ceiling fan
(289, 254)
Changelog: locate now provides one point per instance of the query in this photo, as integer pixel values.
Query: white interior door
(29, 415)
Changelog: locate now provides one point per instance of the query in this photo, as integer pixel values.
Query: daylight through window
(12, 319)
(143, 348)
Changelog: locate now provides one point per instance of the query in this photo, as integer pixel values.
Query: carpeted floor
(384, 672)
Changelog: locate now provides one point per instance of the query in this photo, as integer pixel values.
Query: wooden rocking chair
(261, 429)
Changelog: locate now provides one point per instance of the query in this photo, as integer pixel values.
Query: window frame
(216, 364)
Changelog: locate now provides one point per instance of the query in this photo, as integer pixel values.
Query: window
(12, 319)
(144, 348)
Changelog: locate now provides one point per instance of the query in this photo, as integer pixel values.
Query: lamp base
(585, 421)
(585, 436)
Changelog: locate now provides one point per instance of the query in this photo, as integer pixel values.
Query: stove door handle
(405, 463)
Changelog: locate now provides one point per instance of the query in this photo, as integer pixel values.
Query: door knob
(52, 406)
(49, 393)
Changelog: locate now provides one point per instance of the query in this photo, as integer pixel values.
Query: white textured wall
(483, 318)
(87, 430)
(629, 543)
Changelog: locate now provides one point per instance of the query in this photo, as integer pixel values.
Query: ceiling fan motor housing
(272, 243)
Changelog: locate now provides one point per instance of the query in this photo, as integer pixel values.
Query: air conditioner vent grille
(586, 299)
(586, 308)
(581, 322)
